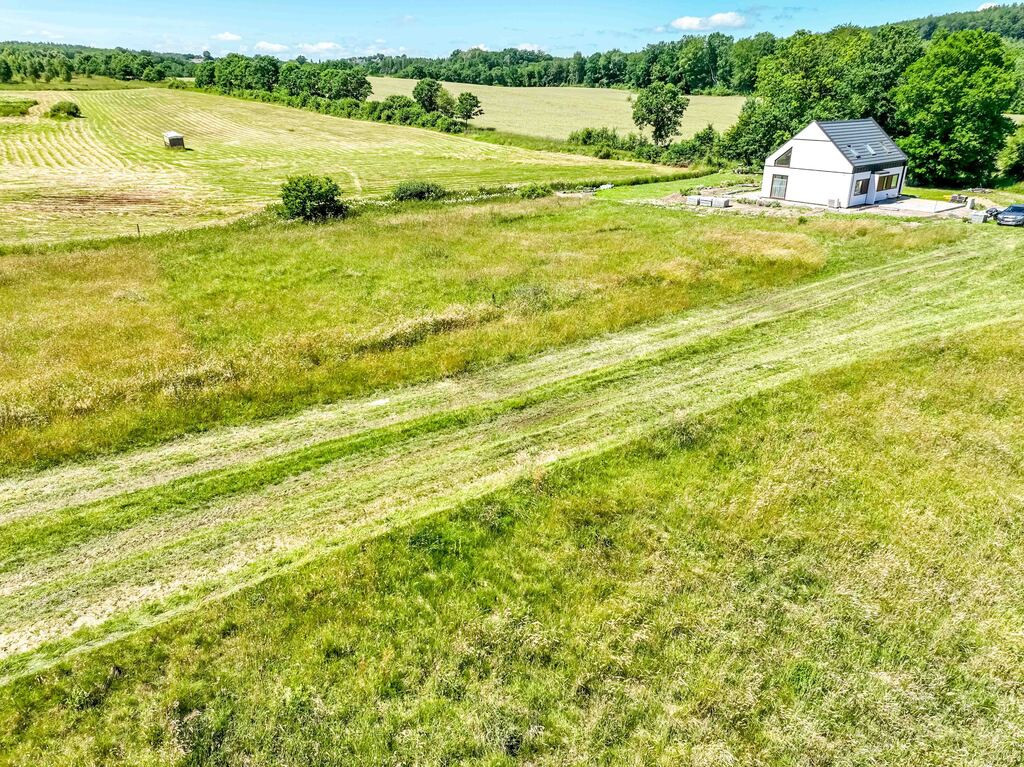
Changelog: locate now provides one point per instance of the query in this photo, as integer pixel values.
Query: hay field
(557, 112)
(106, 173)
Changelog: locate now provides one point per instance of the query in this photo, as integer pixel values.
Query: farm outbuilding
(840, 164)
(174, 140)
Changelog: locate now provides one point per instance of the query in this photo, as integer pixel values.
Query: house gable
(812, 149)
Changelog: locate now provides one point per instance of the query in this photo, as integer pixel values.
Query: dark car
(1012, 216)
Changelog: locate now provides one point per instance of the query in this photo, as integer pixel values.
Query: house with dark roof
(841, 164)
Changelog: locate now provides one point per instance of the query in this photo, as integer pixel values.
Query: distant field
(79, 83)
(107, 173)
(557, 112)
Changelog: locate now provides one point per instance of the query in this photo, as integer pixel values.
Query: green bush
(175, 84)
(312, 198)
(534, 191)
(418, 190)
(1011, 158)
(64, 110)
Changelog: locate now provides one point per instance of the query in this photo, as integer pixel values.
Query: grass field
(746, 584)
(228, 325)
(109, 172)
(185, 330)
(79, 83)
(552, 482)
(557, 112)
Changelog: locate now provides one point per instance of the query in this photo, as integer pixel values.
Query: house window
(779, 184)
(785, 158)
(860, 187)
(885, 183)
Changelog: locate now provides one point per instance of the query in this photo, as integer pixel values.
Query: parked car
(1012, 216)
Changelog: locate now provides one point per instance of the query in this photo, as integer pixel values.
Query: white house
(841, 164)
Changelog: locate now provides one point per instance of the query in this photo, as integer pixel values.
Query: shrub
(595, 137)
(64, 110)
(175, 84)
(312, 198)
(604, 153)
(418, 190)
(534, 191)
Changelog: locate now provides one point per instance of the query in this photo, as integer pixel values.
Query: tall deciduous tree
(428, 94)
(660, 107)
(952, 103)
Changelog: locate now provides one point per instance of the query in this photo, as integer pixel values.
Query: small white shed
(841, 164)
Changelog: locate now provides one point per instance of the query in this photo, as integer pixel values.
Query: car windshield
(1015, 209)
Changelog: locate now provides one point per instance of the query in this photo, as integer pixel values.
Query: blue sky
(325, 29)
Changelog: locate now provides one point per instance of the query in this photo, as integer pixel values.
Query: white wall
(818, 171)
(812, 186)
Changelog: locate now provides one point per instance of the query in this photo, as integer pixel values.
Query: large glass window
(861, 187)
(779, 184)
(885, 183)
(785, 158)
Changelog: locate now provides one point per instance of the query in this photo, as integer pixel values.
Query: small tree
(660, 106)
(312, 198)
(432, 96)
(5, 71)
(468, 107)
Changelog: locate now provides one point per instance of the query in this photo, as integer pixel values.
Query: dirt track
(108, 544)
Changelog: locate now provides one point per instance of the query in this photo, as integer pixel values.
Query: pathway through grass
(100, 550)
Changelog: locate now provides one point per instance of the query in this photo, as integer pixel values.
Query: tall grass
(750, 587)
(130, 342)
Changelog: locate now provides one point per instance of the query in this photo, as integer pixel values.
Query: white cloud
(724, 20)
(226, 37)
(986, 6)
(317, 48)
(479, 47)
(266, 47)
(532, 47)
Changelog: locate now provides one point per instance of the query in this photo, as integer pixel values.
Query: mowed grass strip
(121, 565)
(106, 173)
(136, 341)
(557, 112)
(747, 587)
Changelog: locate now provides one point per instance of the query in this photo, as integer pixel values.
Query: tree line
(32, 62)
(714, 63)
(338, 89)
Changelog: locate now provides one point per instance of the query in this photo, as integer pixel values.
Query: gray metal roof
(864, 143)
